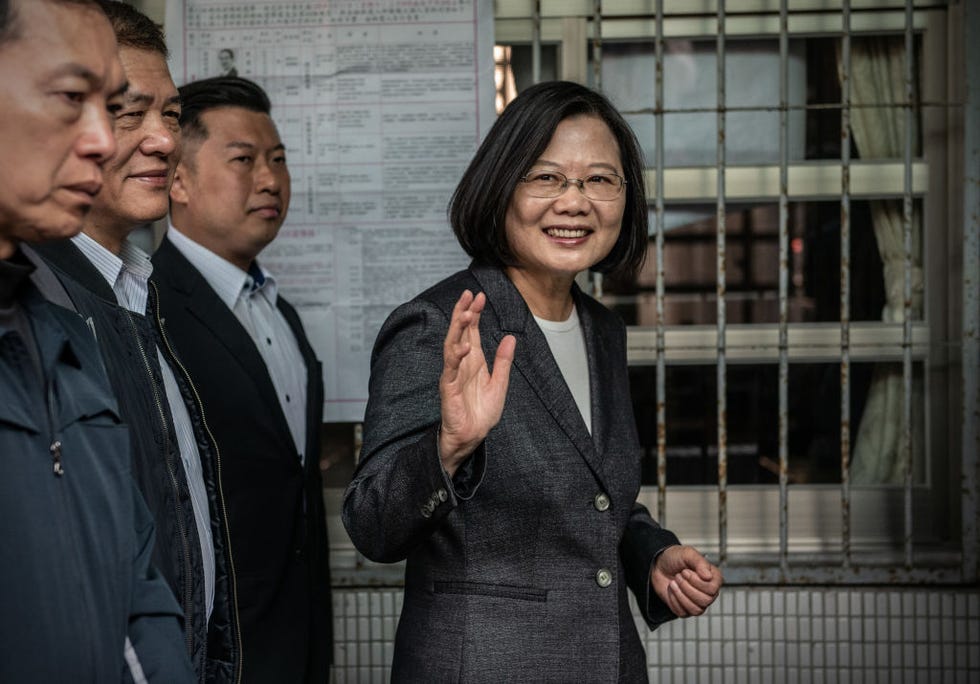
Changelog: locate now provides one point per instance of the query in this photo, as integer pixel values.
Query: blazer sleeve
(155, 620)
(643, 542)
(400, 492)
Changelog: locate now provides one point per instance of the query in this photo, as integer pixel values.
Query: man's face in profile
(59, 77)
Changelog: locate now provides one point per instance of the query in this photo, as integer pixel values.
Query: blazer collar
(534, 360)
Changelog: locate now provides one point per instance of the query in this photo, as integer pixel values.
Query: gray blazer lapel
(600, 360)
(534, 360)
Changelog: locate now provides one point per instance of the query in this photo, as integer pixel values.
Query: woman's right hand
(472, 399)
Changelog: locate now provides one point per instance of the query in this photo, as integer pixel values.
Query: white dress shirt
(128, 275)
(251, 296)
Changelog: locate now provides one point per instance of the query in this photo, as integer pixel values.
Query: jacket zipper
(55, 444)
(217, 464)
(47, 387)
(188, 571)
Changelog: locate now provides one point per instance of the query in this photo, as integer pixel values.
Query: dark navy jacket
(128, 342)
(75, 571)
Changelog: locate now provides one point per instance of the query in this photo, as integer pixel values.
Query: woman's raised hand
(472, 399)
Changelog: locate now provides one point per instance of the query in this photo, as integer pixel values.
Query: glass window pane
(814, 427)
(691, 98)
(752, 265)
(752, 98)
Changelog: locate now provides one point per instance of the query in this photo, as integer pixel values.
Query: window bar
(845, 288)
(783, 287)
(721, 374)
(597, 44)
(659, 237)
(907, 292)
(536, 43)
(970, 355)
(597, 84)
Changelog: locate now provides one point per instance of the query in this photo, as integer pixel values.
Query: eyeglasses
(598, 186)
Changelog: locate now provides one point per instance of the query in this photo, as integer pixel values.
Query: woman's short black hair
(478, 207)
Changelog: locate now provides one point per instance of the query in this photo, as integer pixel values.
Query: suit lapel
(314, 376)
(535, 362)
(204, 304)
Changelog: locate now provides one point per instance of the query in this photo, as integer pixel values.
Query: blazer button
(601, 502)
(426, 512)
(442, 494)
(603, 578)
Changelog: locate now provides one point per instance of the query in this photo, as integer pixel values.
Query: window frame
(813, 547)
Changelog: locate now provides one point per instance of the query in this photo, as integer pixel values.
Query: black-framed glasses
(597, 186)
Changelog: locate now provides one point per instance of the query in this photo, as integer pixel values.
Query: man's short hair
(198, 97)
(9, 30)
(134, 29)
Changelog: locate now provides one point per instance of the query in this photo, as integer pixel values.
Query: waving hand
(472, 399)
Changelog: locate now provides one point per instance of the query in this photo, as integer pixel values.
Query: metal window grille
(848, 552)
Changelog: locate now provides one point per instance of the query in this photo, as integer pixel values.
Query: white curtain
(878, 78)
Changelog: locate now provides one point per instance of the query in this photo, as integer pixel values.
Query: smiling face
(138, 177)
(231, 192)
(553, 239)
(59, 76)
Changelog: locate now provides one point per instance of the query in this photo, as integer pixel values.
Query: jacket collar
(66, 257)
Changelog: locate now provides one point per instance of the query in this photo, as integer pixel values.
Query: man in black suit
(259, 379)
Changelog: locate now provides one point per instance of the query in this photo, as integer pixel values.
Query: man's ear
(178, 190)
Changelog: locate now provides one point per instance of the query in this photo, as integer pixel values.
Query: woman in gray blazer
(511, 487)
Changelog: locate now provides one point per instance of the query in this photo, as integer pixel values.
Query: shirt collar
(262, 282)
(131, 259)
(227, 280)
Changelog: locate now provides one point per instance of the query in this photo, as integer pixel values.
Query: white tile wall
(751, 635)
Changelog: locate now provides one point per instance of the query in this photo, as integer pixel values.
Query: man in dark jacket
(81, 601)
(258, 376)
(105, 278)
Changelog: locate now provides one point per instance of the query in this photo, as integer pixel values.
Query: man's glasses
(598, 186)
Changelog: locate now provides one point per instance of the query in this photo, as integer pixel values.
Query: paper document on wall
(381, 105)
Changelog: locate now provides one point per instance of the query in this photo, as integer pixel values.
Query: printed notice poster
(381, 104)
